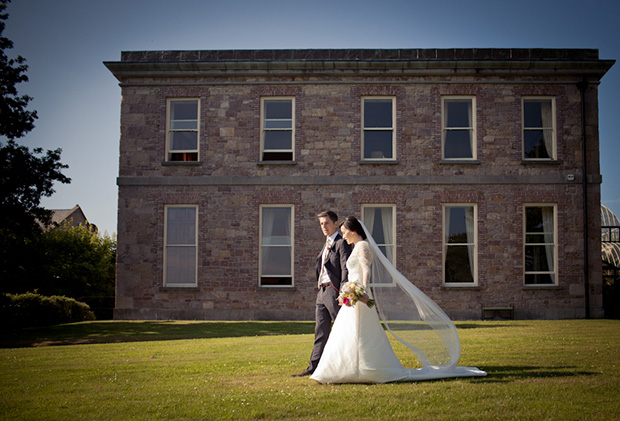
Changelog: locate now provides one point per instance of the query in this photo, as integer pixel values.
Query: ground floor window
(540, 245)
(181, 248)
(460, 244)
(276, 245)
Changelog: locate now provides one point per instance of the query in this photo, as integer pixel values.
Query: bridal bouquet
(351, 293)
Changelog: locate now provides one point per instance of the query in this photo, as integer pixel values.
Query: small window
(378, 129)
(539, 138)
(460, 245)
(540, 245)
(458, 128)
(276, 245)
(181, 247)
(182, 134)
(277, 129)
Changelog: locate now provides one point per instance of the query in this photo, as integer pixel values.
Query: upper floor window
(458, 128)
(277, 129)
(539, 138)
(182, 130)
(378, 128)
(460, 253)
(276, 245)
(181, 246)
(540, 245)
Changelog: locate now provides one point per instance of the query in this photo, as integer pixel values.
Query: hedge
(29, 309)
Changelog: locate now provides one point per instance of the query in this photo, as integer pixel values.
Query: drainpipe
(586, 270)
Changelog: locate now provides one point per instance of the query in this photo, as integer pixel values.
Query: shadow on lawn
(137, 331)
(508, 374)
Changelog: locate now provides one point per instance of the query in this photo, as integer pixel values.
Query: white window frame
(365, 129)
(392, 207)
(170, 130)
(472, 129)
(166, 246)
(554, 272)
(446, 245)
(264, 129)
(553, 128)
(261, 247)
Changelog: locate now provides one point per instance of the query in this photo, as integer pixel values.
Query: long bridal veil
(414, 319)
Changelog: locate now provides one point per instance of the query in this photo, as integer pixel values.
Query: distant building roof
(73, 217)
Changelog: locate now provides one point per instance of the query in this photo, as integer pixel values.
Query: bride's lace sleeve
(365, 258)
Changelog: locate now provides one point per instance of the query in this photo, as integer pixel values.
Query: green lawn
(564, 370)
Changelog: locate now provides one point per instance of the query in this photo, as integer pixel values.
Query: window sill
(276, 163)
(171, 288)
(461, 288)
(181, 163)
(540, 162)
(379, 162)
(460, 161)
(542, 286)
(276, 288)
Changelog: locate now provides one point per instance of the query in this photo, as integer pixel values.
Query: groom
(331, 271)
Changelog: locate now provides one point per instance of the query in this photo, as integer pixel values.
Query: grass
(564, 370)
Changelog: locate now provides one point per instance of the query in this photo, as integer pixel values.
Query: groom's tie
(328, 244)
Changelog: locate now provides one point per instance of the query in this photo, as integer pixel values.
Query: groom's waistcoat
(335, 263)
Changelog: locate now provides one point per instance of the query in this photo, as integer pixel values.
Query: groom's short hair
(328, 214)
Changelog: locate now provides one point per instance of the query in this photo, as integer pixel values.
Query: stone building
(477, 171)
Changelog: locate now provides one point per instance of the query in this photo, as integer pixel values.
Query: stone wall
(229, 184)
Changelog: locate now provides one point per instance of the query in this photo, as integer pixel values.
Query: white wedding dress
(358, 349)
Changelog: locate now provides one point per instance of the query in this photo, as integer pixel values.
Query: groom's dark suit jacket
(336, 262)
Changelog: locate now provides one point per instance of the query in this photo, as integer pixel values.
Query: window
(181, 248)
(378, 128)
(458, 128)
(277, 129)
(539, 129)
(540, 245)
(379, 220)
(460, 244)
(182, 134)
(276, 245)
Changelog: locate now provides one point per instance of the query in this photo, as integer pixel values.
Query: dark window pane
(277, 156)
(184, 110)
(534, 219)
(276, 281)
(537, 258)
(378, 113)
(457, 265)
(458, 225)
(458, 113)
(183, 141)
(279, 109)
(378, 144)
(534, 144)
(277, 139)
(532, 114)
(183, 156)
(458, 144)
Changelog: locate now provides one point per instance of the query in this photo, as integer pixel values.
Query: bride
(358, 349)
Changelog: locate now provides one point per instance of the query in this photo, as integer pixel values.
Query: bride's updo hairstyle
(352, 224)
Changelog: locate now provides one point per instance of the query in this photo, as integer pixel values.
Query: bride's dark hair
(352, 224)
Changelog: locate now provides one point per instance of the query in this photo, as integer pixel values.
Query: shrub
(29, 309)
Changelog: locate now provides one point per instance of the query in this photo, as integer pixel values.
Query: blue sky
(78, 100)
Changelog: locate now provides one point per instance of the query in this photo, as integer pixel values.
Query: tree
(15, 120)
(25, 177)
(77, 262)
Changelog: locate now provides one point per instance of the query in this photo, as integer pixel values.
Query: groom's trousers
(326, 310)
